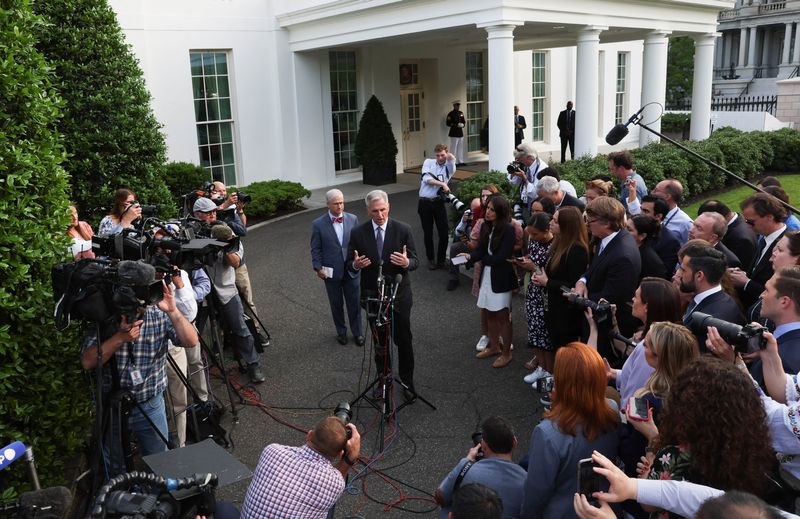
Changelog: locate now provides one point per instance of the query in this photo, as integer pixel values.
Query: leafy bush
(44, 404)
(375, 143)
(110, 133)
(743, 156)
(675, 122)
(578, 171)
(275, 195)
(184, 177)
(786, 150)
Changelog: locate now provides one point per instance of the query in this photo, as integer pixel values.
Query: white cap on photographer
(204, 205)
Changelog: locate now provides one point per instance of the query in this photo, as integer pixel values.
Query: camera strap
(461, 475)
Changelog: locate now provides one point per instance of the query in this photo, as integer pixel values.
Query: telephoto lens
(345, 414)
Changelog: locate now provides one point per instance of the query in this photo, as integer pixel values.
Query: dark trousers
(402, 338)
(232, 316)
(341, 291)
(431, 212)
(456, 248)
(564, 142)
(517, 138)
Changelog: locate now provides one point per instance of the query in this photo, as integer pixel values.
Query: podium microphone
(381, 281)
(397, 279)
(618, 132)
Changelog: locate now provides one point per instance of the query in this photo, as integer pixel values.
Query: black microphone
(619, 131)
(136, 273)
(397, 279)
(618, 336)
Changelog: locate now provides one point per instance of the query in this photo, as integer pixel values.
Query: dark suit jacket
(730, 257)
(326, 251)
(453, 118)
(565, 130)
(667, 248)
(759, 275)
(561, 315)
(504, 279)
(362, 239)
(571, 201)
(720, 305)
(614, 276)
(519, 131)
(789, 352)
(742, 241)
(652, 266)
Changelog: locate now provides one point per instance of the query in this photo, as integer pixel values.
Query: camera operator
(125, 211)
(139, 350)
(223, 278)
(701, 270)
(495, 470)
(462, 238)
(525, 178)
(234, 217)
(436, 173)
(303, 481)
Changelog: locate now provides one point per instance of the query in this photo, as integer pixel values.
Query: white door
(412, 107)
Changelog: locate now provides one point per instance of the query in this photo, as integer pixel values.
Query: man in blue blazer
(780, 303)
(330, 234)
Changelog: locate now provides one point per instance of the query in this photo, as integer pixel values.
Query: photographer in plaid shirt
(302, 482)
(139, 350)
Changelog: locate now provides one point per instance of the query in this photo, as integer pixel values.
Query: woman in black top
(645, 230)
(567, 260)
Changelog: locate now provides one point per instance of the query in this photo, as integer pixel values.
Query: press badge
(136, 377)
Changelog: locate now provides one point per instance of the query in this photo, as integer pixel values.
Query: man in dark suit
(668, 242)
(613, 273)
(455, 121)
(700, 272)
(566, 131)
(550, 187)
(740, 238)
(330, 234)
(519, 126)
(711, 227)
(780, 303)
(765, 214)
(387, 245)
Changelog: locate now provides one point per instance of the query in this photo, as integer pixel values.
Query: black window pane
(208, 64)
(200, 111)
(202, 134)
(222, 62)
(197, 63)
(215, 151)
(213, 133)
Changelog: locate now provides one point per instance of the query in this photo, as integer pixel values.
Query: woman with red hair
(580, 421)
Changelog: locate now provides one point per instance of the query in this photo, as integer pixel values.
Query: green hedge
(184, 177)
(274, 195)
(674, 122)
(747, 154)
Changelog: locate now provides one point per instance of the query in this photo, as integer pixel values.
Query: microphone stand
(711, 163)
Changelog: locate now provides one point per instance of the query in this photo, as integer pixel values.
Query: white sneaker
(535, 375)
(482, 343)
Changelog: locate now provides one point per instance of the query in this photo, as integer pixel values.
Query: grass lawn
(731, 198)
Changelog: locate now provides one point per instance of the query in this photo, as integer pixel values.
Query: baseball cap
(204, 205)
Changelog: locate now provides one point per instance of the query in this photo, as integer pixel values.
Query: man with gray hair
(526, 179)
(550, 187)
(712, 227)
(386, 246)
(330, 234)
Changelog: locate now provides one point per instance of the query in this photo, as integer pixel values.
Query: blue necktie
(379, 241)
(689, 310)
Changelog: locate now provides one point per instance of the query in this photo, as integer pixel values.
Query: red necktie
(338, 219)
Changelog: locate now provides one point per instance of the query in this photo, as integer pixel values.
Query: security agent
(223, 277)
(436, 173)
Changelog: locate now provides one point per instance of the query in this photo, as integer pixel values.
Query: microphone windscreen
(398, 278)
(136, 273)
(51, 503)
(221, 232)
(616, 134)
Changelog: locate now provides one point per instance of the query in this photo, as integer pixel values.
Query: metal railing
(768, 8)
(733, 104)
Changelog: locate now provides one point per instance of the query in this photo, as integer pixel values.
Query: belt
(434, 199)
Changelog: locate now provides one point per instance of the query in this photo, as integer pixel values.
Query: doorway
(412, 106)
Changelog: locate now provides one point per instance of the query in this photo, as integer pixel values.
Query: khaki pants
(246, 293)
(177, 391)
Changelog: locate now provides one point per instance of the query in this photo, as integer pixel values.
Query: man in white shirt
(436, 173)
(526, 179)
(676, 220)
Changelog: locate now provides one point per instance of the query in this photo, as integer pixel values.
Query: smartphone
(588, 480)
(637, 409)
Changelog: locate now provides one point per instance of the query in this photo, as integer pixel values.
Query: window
(213, 114)
(474, 114)
(538, 96)
(620, 105)
(344, 109)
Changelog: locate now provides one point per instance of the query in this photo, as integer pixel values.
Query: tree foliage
(680, 69)
(375, 143)
(43, 402)
(110, 132)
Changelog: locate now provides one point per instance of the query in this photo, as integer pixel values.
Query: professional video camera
(744, 339)
(446, 196)
(515, 166)
(155, 500)
(601, 311)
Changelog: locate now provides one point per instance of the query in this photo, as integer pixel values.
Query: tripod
(380, 315)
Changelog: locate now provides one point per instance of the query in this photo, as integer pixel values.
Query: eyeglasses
(750, 222)
(590, 220)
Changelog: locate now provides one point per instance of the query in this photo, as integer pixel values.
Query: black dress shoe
(409, 395)
(359, 340)
(341, 339)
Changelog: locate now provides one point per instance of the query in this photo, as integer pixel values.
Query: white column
(501, 92)
(742, 47)
(727, 56)
(751, 55)
(787, 45)
(796, 57)
(654, 82)
(701, 88)
(587, 90)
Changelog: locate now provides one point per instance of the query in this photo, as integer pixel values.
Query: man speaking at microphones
(385, 245)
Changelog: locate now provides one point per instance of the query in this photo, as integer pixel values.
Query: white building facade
(261, 89)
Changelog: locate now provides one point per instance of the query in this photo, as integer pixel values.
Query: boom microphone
(10, 453)
(136, 273)
(618, 132)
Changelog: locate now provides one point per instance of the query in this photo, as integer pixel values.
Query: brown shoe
(485, 354)
(502, 362)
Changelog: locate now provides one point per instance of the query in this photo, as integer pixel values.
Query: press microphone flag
(619, 131)
(10, 453)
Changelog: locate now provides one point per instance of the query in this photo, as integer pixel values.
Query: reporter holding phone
(580, 421)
